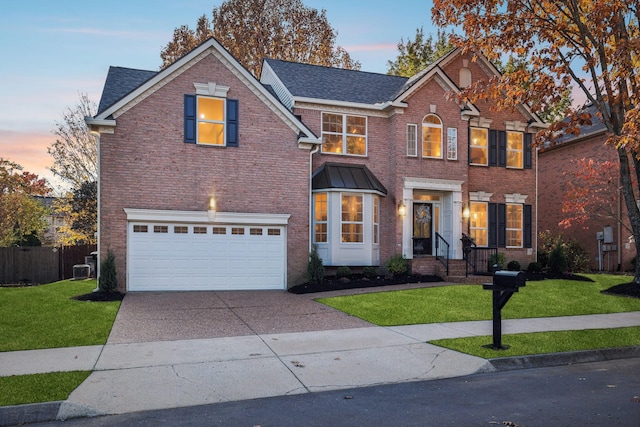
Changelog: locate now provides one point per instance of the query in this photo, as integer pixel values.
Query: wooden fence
(38, 264)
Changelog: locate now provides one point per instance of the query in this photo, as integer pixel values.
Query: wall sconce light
(402, 209)
(466, 213)
(211, 212)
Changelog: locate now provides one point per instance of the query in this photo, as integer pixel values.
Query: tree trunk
(630, 202)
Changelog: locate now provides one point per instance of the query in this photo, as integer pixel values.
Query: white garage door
(179, 257)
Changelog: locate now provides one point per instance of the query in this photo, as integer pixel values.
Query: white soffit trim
(345, 104)
(202, 217)
(433, 184)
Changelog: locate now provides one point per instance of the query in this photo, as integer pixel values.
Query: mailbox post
(505, 283)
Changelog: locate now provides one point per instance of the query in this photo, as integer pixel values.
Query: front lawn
(545, 298)
(22, 389)
(47, 316)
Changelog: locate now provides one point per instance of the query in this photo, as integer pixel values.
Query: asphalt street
(589, 394)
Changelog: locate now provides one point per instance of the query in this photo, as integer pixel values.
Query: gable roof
(339, 84)
(120, 81)
(126, 87)
(346, 176)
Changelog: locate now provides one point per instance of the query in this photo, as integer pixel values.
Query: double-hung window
(210, 116)
(479, 147)
(515, 149)
(412, 140)
(320, 218)
(479, 222)
(210, 120)
(432, 137)
(452, 143)
(514, 226)
(344, 134)
(352, 218)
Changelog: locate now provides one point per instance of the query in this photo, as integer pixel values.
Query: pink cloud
(28, 149)
(371, 47)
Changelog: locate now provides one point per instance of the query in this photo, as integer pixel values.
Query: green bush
(343, 271)
(315, 269)
(576, 258)
(513, 266)
(557, 259)
(497, 258)
(369, 272)
(534, 267)
(397, 264)
(108, 281)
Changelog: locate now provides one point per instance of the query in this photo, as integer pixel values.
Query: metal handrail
(439, 257)
(469, 255)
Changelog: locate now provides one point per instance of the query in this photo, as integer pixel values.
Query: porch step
(457, 269)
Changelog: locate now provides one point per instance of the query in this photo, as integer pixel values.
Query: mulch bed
(630, 290)
(100, 296)
(356, 281)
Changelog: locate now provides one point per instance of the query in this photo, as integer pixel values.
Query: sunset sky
(55, 50)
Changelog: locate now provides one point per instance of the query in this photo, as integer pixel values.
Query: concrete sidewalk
(139, 376)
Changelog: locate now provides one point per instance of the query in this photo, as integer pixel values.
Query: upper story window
(452, 144)
(412, 140)
(515, 149)
(432, 136)
(344, 134)
(479, 147)
(211, 120)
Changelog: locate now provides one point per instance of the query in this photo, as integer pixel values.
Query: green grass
(23, 389)
(46, 316)
(547, 298)
(545, 342)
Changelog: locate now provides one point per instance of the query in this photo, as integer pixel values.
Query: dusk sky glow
(53, 51)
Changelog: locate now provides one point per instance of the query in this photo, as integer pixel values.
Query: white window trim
(376, 219)
(315, 221)
(342, 222)
(521, 229)
(431, 125)
(412, 134)
(222, 122)
(345, 134)
(211, 89)
(452, 143)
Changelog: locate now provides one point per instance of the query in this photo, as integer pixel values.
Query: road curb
(30, 413)
(566, 358)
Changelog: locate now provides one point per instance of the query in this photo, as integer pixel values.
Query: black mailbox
(505, 280)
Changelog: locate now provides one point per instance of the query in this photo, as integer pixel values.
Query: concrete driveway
(170, 316)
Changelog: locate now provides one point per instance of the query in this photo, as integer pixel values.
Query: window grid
(273, 232)
(514, 226)
(452, 143)
(180, 229)
(211, 122)
(479, 147)
(344, 134)
(237, 230)
(199, 230)
(352, 218)
(412, 140)
(376, 219)
(140, 229)
(219, 230)
(320, 217)
(255, 231)
(478, 223)
(432, 137)
(515, 149)
(160, 229)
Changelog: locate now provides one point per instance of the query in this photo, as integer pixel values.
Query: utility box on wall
(608, 234)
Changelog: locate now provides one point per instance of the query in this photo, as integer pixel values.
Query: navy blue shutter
(528, 158)
(232, 123)
(493, 147)
(502, 225)
(502, 148)
(493, 225)
(527, 226)
(190, 119)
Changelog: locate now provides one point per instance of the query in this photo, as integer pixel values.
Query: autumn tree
(252, 30)
(75, 163)
(592, 188)
(590, 46)
(21, 215)
(415, 55)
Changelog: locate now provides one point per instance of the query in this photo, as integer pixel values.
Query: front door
(423, 232)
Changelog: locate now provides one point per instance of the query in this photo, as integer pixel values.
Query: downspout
(313, 151)
(535, 236)
(619, 251)
(98, 259)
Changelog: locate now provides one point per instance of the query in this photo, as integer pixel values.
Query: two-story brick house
(364, 165)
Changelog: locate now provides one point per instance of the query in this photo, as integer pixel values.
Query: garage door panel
(243, 258)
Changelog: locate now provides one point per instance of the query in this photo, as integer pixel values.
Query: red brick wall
(145, 164)
(552, 179)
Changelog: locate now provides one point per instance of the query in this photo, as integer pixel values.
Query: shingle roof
(597, 125)
(347, 176)
(338, 84)
(120, 81)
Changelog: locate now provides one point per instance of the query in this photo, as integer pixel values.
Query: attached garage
(182, 251)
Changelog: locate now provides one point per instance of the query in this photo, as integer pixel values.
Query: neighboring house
(609, 245)
(364, 165)
(55, 220)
